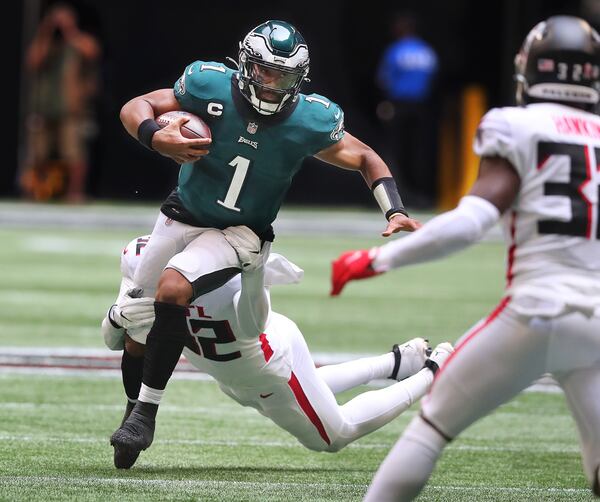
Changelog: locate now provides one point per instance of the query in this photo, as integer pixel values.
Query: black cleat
(136, 434)
(124, 457)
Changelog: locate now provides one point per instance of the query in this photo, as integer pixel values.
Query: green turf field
(56, 286)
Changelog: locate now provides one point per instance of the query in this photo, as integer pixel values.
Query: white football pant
(208, 263)
(494, 361)
(306, 407)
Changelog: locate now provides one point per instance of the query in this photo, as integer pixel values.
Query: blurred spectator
(62, 66)
(405, 76)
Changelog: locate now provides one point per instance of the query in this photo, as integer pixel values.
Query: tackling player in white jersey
(540, 170)
(260, 358)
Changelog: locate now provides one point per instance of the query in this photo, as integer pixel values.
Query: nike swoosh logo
(191, 70)
(337, 115)
(265, 396)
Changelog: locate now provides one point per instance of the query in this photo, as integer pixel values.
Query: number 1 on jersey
(240, 164)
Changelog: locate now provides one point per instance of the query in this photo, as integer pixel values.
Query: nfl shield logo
(252, 127)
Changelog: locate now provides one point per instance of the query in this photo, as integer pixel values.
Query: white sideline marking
(93, 373)
(57, 361)
(71, 245)
(261, 485)
(280, 444)
(325, 357)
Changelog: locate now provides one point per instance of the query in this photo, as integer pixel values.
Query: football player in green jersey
(262, 129)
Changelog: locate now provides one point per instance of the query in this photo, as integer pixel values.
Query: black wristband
(432, 365)
(145, 132)
(111, 320)
(386, 194)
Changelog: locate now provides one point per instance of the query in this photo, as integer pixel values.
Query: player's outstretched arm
(128, 312)
(351, 153)
(252, 303)
(493, 193)
(137, 116)
(113, 333)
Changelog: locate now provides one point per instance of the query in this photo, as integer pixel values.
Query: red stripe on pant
(266, 348)
(476, 330)
(307, 408)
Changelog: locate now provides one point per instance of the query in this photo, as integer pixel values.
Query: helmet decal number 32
(240, 164)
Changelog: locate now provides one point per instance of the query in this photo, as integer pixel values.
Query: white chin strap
(264, 107)
(564, 92)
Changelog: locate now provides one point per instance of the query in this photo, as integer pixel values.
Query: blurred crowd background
(413, 77)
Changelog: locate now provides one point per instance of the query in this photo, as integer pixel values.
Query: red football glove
(351, 265)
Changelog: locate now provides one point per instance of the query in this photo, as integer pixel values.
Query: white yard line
(169, 483)
(509, 489)
(280, 444)
(262, 485)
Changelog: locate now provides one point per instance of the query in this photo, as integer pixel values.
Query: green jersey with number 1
(253, 157)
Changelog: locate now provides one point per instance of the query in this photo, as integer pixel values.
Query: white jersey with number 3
(553, 227)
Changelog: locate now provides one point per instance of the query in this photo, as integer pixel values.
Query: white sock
(408, 466)
(150, 395)
(344, 376)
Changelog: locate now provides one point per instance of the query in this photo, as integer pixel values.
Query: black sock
(164, 344)
(131, 371)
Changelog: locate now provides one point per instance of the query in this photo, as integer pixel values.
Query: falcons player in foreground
(540, 170)
(259, 357)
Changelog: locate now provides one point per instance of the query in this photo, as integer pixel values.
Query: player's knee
(173, 288)
(133, 348)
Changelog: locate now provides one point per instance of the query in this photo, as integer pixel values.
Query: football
(194, 128)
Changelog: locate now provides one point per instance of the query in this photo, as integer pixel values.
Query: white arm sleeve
(114, 338)
(252, 304)
(445, 234)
